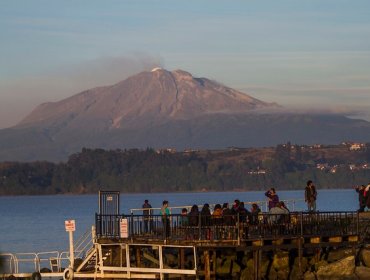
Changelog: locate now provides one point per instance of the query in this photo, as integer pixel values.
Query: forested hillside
(283, 167)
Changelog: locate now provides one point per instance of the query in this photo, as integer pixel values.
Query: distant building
(322, 166)
(334, 169)
(352, 167)
(167, 150)
(356, 146)
(258, 171)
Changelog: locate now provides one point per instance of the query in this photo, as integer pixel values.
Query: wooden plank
(277, 242)
(147, 270)
(353, 238)
(315, 240)
(335, 239)
(258, 243)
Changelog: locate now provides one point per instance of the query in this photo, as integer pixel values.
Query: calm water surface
(36, 223)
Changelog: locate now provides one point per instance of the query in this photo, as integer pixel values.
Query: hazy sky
(312, 54)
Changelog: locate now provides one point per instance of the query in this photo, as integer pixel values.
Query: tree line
(288, 167)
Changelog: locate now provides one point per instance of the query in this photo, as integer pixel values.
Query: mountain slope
(148, 97)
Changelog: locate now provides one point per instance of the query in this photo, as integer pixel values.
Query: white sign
(70, 225)
(123, 228)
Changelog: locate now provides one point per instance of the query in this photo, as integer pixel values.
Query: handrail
(33, 260)
(227, 228)
(12, 261)
(15, 259)
(83, 243)
(261, 203)
(40, 259)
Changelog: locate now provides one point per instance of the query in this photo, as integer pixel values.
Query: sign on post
(123, 228)
(70, 225)
(70, 228)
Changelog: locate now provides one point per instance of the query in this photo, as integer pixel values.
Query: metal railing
(230, 227)
(15, 263)
(263, 204)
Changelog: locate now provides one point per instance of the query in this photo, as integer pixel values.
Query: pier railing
(229, 228)
(262, 204)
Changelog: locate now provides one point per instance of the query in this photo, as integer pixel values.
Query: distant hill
(162, 109)
(285, 166)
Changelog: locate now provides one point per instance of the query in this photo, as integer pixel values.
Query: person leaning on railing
(184, 219)
(255, 211)
(194, 215)
(147, 213)
(217, 215)
(276, 213)
(227, 215)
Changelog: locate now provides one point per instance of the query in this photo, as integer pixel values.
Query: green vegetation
(285, 167)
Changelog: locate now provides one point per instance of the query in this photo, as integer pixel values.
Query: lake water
(36, 223)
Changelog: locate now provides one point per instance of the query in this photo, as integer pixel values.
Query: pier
(296, 231)
(138, 246)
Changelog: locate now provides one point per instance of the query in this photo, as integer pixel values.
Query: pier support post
(207, 265)
(214, 260)
(300, 255)
(182, 261)
(138, 256)
(257, 263)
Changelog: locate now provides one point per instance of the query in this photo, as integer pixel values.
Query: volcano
(166, 109)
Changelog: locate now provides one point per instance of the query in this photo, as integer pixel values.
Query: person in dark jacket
(147, 216)
(244, 214)
(227, 214)
(255, 211)
(273, 198)
(205, 215)
(194, 215)
(310, 196)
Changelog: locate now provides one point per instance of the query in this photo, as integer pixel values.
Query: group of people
(221, 215)
(310, 197)
(228, 214)
(224, 214)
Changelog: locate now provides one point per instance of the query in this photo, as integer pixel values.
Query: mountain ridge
(158, 95)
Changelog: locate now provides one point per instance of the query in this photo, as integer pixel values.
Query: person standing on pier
(194, 215)
(310, 196)
(255, 212)
(184, 218)
(227, 214)
(272, 197)
(165, 212)
(147, 216)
